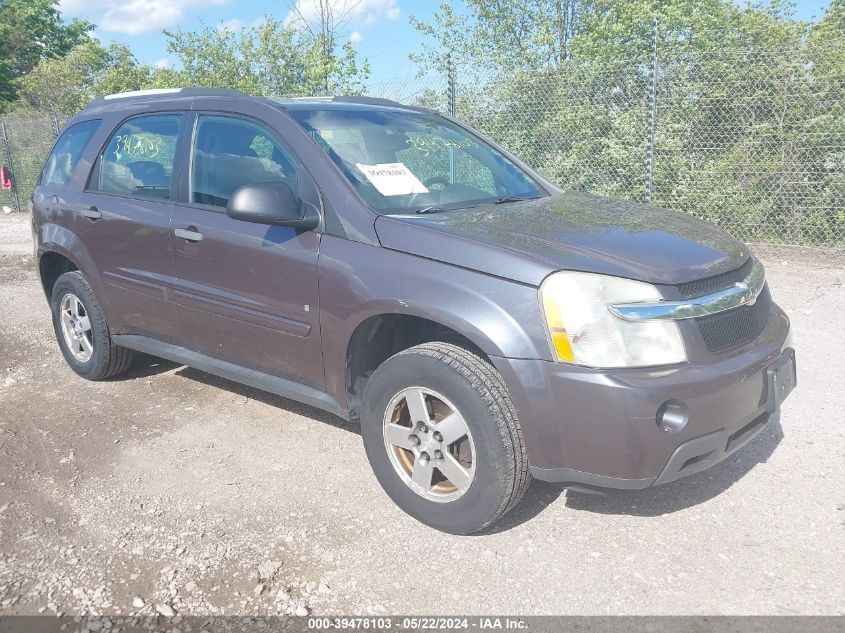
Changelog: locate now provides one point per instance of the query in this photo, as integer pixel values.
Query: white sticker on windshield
(392, 179)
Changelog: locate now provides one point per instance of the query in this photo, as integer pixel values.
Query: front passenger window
(230, 153)
(138, 159)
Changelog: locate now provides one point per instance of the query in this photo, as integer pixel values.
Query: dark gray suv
(389, 265)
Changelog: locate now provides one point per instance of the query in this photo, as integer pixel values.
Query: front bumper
(598, 428)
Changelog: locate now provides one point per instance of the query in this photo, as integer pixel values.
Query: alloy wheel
(429, 444)
(76, 328)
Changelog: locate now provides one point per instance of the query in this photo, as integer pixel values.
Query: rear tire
(487, 468)
(82, 332)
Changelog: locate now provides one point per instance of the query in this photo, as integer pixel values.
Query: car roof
(340, 102)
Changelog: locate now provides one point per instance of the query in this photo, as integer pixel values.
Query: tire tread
(117, 359)
(490, 385)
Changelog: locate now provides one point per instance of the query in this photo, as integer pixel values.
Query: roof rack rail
(367, 100)
(154, 92)
(343, 99)
(360, 100)
(385, 102)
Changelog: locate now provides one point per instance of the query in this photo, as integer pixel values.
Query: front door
(247, 291)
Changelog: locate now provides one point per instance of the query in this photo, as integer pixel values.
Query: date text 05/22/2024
(430, 623)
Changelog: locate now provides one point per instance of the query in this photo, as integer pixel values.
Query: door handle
(191, 236)
(92, 213)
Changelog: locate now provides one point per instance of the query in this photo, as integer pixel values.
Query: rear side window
(138, 159)
(230, 153)
(67, 152)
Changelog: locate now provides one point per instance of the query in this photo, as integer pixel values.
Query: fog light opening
(672, 416)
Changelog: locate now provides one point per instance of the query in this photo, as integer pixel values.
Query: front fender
(359, 281)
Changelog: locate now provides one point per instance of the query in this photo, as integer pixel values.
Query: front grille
(709, 285)
(733, 328)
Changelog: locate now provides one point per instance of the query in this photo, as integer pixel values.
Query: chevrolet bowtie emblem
(748, 298)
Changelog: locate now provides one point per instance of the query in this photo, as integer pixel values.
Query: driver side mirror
(271, 203)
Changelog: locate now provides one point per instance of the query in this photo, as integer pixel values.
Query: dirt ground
(173, 490)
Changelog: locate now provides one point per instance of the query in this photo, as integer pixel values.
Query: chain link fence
(753, 141)
(25, 141)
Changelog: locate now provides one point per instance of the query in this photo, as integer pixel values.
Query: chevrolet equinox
(392, 266)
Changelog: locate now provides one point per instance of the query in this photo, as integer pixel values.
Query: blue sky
(379, 28)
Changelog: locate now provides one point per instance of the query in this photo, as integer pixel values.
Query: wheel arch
(381, 335)
(60, 250)
(51, 266)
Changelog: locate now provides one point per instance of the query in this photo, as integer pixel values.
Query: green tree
(64, 85)
(450, 33)
(271, 58)
(121, 73)
(542, 34)
(827, 65)
(60, 84)
(516, 33)
(32, 31)
(332, 66)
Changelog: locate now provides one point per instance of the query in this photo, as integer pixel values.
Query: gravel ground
(175, 491)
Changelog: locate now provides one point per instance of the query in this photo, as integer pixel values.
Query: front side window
(67, 152)
(138, 159)
(230, 153)
(402, 162)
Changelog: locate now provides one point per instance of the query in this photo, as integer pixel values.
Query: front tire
(82, 332)
(443, 438)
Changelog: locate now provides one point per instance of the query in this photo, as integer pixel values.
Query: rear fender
(54, 238)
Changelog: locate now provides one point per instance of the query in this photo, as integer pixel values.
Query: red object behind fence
(6, 177)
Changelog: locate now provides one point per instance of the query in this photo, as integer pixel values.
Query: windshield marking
(392, 179)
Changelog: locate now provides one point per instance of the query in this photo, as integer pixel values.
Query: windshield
(406, 162)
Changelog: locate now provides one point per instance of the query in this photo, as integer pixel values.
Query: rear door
(247, 291)
(123, 218)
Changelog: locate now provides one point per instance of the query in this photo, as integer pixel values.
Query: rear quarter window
(66, 153)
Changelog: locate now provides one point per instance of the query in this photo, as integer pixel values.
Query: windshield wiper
(503, 200)
(507, 199)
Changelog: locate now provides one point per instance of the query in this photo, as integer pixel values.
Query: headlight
(584, 332)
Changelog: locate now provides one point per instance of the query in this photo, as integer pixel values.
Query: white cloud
(234, 25)
(133, 17)
(77, 7)
(161, 63)
(365, 12)
(355, 37)
(141, 16)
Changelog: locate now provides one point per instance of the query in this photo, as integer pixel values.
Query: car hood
(526, 241)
